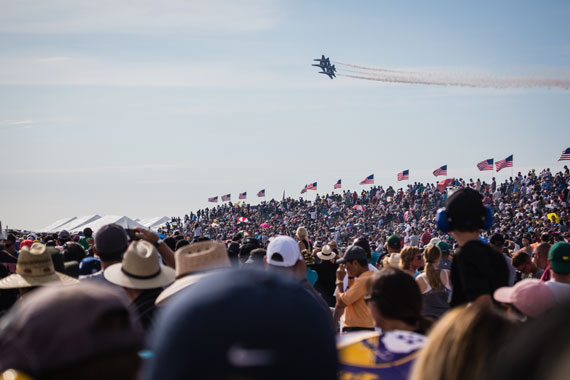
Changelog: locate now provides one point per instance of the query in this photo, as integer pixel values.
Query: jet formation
(326, 67)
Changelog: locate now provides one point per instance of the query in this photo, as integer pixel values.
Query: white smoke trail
(448, 79)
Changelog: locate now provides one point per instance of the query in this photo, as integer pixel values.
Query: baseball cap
(283, 251)
(193, 331)
(354, 252)
(58, 326)
(559, 256)
(394, 241)
(443, 246)
(111, 239)
(63, 234)
(531, 296)
(465, 209)
(497, 239)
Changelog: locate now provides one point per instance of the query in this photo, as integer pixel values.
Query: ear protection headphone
(444, 222)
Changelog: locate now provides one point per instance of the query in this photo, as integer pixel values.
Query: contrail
(448, 79)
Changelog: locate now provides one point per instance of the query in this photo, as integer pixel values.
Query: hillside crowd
(470, 281)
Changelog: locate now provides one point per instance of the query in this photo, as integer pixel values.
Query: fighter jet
(328, 72)
(325, 66)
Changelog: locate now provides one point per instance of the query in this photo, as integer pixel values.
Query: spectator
(256, 257)
(527, 298)
(326, 271)
(194, 262)
(71, 332)
(276, 330)
(434, 284)
(356, 313)
(476, 270)
(525, 267)
(34, 269)
(497, 242)
(142, 277)
(410, 260)
(559, 258)
(395, 302)
(445, 249)
(461, 345)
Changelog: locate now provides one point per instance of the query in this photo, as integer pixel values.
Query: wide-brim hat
(35, 268)
(193, 262)
(140, 268)
(326, 253)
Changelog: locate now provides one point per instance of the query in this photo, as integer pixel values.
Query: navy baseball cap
(247, 323)
(354, 252)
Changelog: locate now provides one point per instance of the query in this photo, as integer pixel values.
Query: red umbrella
(359, 208)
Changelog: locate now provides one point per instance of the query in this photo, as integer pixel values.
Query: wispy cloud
(137, 17)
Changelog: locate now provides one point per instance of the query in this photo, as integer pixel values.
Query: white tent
(77, 224)
(55, 225)
(122, 221)
(153, 223)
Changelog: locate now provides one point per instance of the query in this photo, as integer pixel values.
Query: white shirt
(561, 291)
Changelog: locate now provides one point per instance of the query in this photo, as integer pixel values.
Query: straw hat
(326, 253)
(140, 268)
(193, 262)
(35, 268)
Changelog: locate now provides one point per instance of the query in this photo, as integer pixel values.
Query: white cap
(283, 251)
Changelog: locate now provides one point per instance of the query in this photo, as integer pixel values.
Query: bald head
(540, 255)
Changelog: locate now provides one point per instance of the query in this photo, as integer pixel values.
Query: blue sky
(148, 110)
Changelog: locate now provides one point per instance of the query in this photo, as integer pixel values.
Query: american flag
(213, 199)
(226, 197)
(243, 195)
(337, 185)
(506, 163)
(441, 185)
(565, 155)
(405, 175)
(486, 165)
(312, 186)
(368, 180)
(261, 193)
(440, 171)
(304, 189)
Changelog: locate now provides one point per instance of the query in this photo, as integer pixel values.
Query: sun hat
(283, 251)
(248, 322)
(531, 296)
(559, 256)
(326, 253)
(194, 262)
(394, 260)
(140, 268)
(57, 326)
(35, 268)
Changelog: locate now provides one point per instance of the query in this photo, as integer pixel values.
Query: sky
(148, 108)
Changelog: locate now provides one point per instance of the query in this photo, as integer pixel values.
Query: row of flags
(228, 197)
(488, 164)
(405, 176)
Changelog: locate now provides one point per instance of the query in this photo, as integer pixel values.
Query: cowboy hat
(193, 262)
(326, 253)
(140, 268)
(35, 268)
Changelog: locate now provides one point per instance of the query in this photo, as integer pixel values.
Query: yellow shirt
(356, 313)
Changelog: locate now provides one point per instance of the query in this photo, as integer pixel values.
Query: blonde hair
(407, 255)
(431, 255)
(301, 233)
(460, 345)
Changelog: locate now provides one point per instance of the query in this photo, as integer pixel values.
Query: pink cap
(531, 296)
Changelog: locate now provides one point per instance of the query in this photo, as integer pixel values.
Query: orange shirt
(356, 313)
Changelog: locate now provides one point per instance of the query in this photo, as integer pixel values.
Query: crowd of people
(414, 283)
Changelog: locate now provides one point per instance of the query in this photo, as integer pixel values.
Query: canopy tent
(154, 222)
(55, 225)
(122, 221)
(77, 224)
